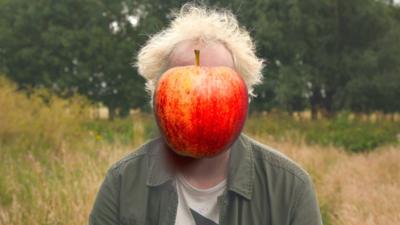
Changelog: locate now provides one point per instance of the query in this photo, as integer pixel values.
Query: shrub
(353, 135)
(131, 130)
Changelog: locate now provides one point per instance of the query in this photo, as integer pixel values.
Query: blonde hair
(200, 23)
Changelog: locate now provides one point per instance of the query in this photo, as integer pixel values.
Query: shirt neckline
(210, 190)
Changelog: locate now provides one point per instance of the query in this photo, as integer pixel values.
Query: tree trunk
(327, 104)
(315, 102)
(112, 113)
(124, 111)
(314, 112)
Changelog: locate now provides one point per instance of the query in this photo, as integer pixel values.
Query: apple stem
(197, 54)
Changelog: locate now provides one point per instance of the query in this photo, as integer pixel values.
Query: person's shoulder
(137, 157)
(272, 159)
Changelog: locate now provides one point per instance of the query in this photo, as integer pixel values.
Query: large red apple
(200, 110)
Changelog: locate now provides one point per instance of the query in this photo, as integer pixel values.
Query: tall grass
(39, 122)
(54, 158)
(352, 189)
(41, 157)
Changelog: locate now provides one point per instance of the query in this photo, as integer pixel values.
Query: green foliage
(124, 131)
(330, 54)
(321, 54)
(73, 46)
(353, 135)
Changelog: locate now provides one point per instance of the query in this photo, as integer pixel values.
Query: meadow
(54, 157)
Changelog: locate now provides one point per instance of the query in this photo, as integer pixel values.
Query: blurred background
(71, 103)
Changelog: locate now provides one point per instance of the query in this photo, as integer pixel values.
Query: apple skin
(200, 111)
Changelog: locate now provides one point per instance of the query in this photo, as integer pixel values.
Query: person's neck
(204, 173)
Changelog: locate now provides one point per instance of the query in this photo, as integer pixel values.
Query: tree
(317, 51)
(378, 86)
(324, 55)
(74, 46)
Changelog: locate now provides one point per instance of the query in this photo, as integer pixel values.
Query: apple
(200, 111)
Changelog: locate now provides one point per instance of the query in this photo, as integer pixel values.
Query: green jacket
(263, 187)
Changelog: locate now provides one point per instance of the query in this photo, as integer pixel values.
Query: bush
(131, 130)
(353, 135)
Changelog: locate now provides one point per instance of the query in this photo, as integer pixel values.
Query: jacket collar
(241, 168)
(240, 174)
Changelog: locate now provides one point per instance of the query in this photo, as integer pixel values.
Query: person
(250, 183)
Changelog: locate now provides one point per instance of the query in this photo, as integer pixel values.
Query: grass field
(54, 158)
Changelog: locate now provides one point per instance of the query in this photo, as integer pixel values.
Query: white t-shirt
(197, 206)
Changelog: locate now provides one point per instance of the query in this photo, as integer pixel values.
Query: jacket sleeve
(306, 210)
(105, 210)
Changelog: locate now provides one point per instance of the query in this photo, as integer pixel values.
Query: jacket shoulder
(137, 156)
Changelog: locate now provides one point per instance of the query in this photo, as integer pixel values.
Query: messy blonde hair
(200, 23)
